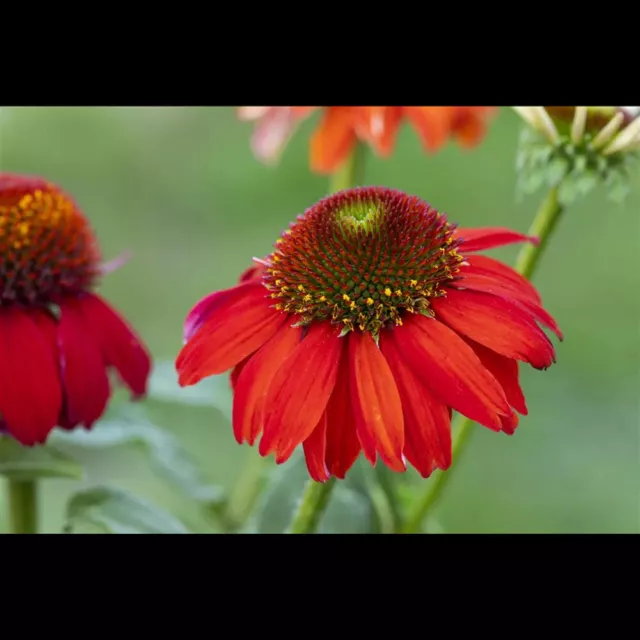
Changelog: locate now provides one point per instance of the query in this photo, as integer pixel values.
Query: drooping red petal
(505, 371)
(478, 239)
(203, 309)
(433, 124)
(236, 371)
(484, 265)
(254, 272)
(449, 367)
(30, 390)
(377, 404)
(509, 424)
(497, 324)
(84, 374)
(314, 451)
(300, 390)
(477, 281)
(470, 125)
(379, 127)
(427, 420)
(253, 383)
(342, 444)
(332, 140)
(240, 326)
(121, 348)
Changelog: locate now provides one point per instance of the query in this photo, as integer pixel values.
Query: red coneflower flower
(370, 321)
(378, 126)
(57, 338)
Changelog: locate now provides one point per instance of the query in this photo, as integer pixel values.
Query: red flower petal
(84, 375)
(477, 239)
(201, 311)
(241, 325)
(30, 391)
(427, 421)
(377, 405)
(236, 371)
(253, 383)
(379, 127)
(314, 451)
(496, 323)
(333, 140)
(433, 124)
(120, 346)
(488, 284)
(449, 367)
(486, 266)
(342, 444)
(300, 390)
(505, 371)
(509, 424)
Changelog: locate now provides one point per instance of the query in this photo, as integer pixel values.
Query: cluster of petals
(341, 127)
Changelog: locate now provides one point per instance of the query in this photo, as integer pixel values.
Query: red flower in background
(378, 126)
(371, 320)
(57, 338)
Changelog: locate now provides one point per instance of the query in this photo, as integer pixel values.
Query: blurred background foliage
(179, 188)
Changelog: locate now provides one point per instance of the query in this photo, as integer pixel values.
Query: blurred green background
(179, 188)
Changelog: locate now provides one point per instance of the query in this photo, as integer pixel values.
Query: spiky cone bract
(373, 319)
(341, 128)
(59, 339)
(576, 149)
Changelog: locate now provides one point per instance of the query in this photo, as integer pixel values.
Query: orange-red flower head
(57, 338)
(341, 127)
(371, 320)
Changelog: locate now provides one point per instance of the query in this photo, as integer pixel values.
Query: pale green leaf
(113, 510)
(43, 461)
(168, 458)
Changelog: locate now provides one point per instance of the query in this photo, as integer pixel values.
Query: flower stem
(245, 494)
(316, 495)
(528, 259)
(314, 501)
(23, 506)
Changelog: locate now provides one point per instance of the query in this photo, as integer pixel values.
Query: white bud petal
(608, 131)
(625, 139)
(578, 125)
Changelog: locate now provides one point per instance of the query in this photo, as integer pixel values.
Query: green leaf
(113, 510)
(169, 459)
(27, 463)
(214, 391)
(350, 509)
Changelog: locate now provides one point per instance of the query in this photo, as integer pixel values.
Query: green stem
(245, 494)
(543, 227)
(387, 504)
(351, 173)
(528, 259)
(312, 505)
(316, 495)
(23, 506)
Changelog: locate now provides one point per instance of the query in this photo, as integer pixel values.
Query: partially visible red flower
(342, 126)
(373, 318)
(57, 337)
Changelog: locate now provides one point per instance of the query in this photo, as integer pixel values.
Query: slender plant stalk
(23, 506)
(316, 495)
(312, 505)
(245, 494)
(528, 259)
